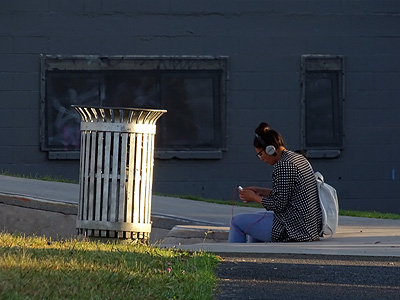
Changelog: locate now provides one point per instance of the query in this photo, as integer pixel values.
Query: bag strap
(319, 176)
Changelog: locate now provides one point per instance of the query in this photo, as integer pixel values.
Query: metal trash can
(116, 172)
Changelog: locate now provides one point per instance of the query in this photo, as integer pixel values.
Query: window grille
(322, 102)
(192, 89)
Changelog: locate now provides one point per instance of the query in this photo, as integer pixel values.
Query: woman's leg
(258, 226)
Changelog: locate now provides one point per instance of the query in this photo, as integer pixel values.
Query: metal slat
(136, 189)
(143, 181)
(99, 171)
(106, 180)
(85, 172)
(149, 185)
(114, 178)
(116, 226)
(122, 180)
(91, 178)
(131, 176)
(81, 177)
(92, 164)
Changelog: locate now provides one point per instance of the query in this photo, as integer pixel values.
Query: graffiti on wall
(63, 120)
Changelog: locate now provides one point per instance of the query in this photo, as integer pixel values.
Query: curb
(40, 204)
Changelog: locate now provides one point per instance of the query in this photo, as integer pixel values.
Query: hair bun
(262, 128)
(266, 136)
(266, 127)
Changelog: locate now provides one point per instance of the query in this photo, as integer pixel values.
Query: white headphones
(270, 150)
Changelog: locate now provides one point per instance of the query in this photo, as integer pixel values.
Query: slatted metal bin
(116, 172)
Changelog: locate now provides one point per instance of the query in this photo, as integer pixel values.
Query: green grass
(39, 177)
(369, 214)
(35, 268)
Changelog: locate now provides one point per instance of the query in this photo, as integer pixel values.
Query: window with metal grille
(191, 89)
(322, 101)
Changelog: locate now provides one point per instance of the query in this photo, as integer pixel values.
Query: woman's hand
(250, 195)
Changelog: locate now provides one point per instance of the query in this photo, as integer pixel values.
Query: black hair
(266, 136)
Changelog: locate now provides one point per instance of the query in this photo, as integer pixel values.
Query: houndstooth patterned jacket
(294, 200)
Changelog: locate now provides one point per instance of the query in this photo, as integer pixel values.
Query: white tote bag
(329, 206)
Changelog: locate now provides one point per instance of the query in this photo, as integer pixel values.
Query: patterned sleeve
(284, 177)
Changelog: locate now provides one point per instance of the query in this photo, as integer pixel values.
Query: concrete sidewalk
(188, 224)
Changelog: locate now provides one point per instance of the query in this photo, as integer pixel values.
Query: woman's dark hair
(266, 136)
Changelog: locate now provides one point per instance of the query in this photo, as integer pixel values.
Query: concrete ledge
(29, 221)
(57, 220)
(39, 204)
(193, 234)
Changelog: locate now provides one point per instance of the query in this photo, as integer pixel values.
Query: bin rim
(120, 107)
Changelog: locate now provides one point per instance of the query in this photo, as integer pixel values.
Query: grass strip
(369, 214)
(36, 268)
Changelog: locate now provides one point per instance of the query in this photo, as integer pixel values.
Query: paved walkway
(355, 236)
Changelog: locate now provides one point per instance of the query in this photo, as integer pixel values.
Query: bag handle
(319, 176)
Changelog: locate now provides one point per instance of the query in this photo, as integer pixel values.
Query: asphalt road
(312, 277)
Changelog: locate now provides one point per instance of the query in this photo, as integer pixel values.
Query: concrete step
(194, 234)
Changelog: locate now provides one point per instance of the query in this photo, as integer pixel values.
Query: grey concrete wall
(264, 41)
